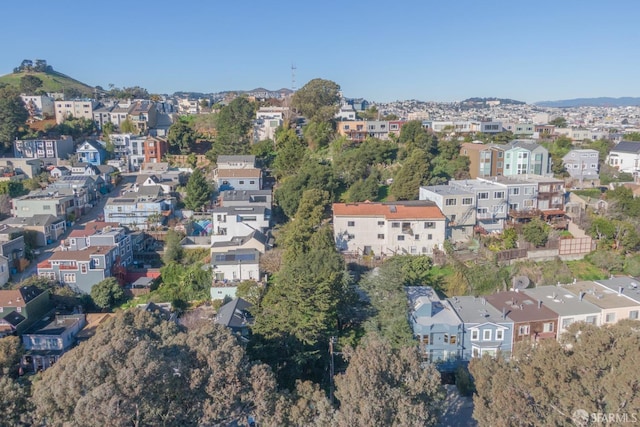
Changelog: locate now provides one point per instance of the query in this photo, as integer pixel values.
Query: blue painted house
(91, 152)
(485, 329)
(437, 327)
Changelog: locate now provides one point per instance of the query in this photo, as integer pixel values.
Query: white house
(392, 228)
(625, 157)
(236, 265)
(239, 221)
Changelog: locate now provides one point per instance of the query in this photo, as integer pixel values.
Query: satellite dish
(520, 282)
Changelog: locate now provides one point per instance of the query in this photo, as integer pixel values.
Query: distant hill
(487, 102)
(592, 102)
(52, 81)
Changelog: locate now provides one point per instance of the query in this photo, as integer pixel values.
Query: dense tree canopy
(140, 370)
(318, 100)
(181, 137)
(387, 387)
(233, 126)
(108, 293)
(592, 368)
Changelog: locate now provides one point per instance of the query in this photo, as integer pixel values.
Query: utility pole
(332, 341)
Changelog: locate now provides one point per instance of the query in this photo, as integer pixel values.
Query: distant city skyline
(449, 51)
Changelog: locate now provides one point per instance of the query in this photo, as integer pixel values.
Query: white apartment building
(394, 228)
(76, 108)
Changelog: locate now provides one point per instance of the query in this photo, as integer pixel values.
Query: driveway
(457, 409)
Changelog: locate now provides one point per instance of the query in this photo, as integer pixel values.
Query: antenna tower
(293, 77)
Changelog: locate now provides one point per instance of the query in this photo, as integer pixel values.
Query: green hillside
(52, 81)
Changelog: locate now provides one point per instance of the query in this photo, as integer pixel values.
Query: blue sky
(384, 51)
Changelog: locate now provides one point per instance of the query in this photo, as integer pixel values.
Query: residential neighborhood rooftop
(600, 295)
(561, 301)
(519, 307)
(473, 309)
(390, 210)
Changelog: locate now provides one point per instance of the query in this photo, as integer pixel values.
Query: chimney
(504, 312)
(539, 304)
(620, 290)
(581, 296)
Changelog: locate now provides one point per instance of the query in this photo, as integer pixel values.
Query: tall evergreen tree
(13, 114)
(198, 191)
(300, 311)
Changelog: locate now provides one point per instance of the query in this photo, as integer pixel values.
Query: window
(69, 278)
(395, 225)
(474, 335)
(425, 339)
(429, 224)
(514, 191)
(380, 223)
(483, 195)
(417, 237)
(486, 335)
(611, 317)
(498, 195)
(240, 182)
(400, 237)
(499, 152)
(499, 165)
(499, 335)
(591, 320)
(46, 207)
(429, 236)
(547, 327)
(380, 236)
(446, 338)
(450, 202)
(252, 182)
(453, 339)
(19, 309)
(467, 201)
(566, 322)
(633, 314)
(523, 330)
(476, 352)
(351, 223)
(83, 268)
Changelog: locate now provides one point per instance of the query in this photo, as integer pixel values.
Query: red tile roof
(400, 210)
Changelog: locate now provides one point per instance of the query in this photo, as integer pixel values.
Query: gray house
(49, 339)
(491, 201)
(437, 327)
(486, 330)
(236, 316)
(81, 269)
(459, 206)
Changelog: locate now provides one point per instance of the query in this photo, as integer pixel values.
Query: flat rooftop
(600, 295)
(561, 301)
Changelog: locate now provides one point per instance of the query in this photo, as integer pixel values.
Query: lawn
(584, 270)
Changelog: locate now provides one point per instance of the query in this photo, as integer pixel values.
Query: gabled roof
(13, 318)
(95, 145)
(627, 147)
(82, 255)
(18, 297)
(396, 210)
(235, 314)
